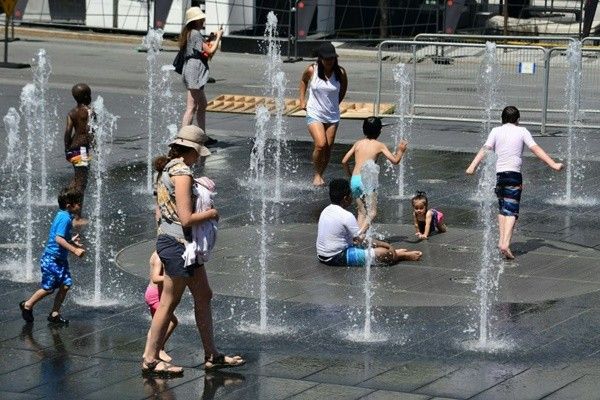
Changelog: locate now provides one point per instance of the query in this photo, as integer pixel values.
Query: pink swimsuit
(152, 297)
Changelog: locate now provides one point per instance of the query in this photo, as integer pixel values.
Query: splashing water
(491, 267)
(11, 164)
(403, 128)
(576, 140)
(258, 169)
(12, 119)
(41, 72)
(275, 83)
(370, 179)
(103, 126)
(152, 42)
(28, 110)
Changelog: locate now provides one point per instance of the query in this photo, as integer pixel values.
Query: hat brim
(202, 150)
(195, 18)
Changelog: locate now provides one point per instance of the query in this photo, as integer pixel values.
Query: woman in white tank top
(326, 83)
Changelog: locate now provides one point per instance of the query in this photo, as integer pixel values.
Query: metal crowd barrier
(446, 78)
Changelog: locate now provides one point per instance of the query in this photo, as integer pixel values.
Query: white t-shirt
(337, 228)
(507, 142)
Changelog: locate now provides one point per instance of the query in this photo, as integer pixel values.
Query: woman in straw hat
(177, 217)
(326, 84)
(195, 70)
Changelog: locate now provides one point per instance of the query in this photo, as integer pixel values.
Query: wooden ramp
(232, 103)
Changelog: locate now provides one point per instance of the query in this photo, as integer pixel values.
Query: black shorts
(170, 251)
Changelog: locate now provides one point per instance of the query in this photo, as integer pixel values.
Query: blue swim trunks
(509, 186)
(350, 257)
(55, 273)
(356, 186)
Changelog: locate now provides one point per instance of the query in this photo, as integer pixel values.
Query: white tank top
(323, 98)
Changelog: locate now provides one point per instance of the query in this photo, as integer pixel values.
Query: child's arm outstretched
(542, 155)
(346, 160)
(397, 156)
(416, 224)
(428, 217)
(478, 158)
(73, 248)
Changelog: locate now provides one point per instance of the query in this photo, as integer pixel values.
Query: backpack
(179, 61)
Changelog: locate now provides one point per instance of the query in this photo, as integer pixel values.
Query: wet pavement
(546, 343)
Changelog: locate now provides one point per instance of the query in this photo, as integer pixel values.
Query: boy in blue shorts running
(54, 264)
(340, 240)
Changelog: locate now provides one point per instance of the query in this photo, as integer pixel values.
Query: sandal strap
(150, 366)
(215, 358)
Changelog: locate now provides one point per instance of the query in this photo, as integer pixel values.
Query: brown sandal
(213, 362)
(168, 371)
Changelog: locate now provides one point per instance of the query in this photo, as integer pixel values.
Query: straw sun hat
(194, 137)
(194, 14)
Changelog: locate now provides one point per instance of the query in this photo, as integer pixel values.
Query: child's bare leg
(37, 296)
(190, 110)
(171, 295)
(361, 212)
(58, 299)
(406, 255)
(506, 236)
(372, 207)
(442, 228)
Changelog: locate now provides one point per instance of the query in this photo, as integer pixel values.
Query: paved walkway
(545, 342)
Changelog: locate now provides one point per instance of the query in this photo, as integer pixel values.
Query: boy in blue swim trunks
(364, 150)
(507, 142)
(54, 264)
(340, 240)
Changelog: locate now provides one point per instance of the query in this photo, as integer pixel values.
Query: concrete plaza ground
(544, 321)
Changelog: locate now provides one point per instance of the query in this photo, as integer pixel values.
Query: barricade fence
(448, 80)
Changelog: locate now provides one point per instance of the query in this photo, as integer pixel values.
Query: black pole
(6, 40)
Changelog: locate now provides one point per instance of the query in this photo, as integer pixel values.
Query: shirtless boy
(78, 137)
(363, 150)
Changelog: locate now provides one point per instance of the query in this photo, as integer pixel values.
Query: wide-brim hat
(326, 50)
(194, 137)
(194, 14)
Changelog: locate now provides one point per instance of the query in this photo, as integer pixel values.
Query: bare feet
(318, 180)
(164, 356)
(507, 253)
(408, 255)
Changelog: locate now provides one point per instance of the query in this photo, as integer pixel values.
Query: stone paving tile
(470, 380)
(351, 372)
(268, 388)
(137, 387)
(409, 377)
(77, 385)
(334, 392)
(585, 388)
(389, 395)
(534, 383)
(17, 396)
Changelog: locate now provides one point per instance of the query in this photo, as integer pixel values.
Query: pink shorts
(152, 298)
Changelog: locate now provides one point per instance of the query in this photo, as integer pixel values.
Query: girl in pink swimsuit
(152, 297)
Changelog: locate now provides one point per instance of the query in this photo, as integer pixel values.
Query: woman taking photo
(198, 52)
(177, 217)
(326, 83)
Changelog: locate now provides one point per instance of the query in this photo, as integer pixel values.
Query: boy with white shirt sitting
(340, 241)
